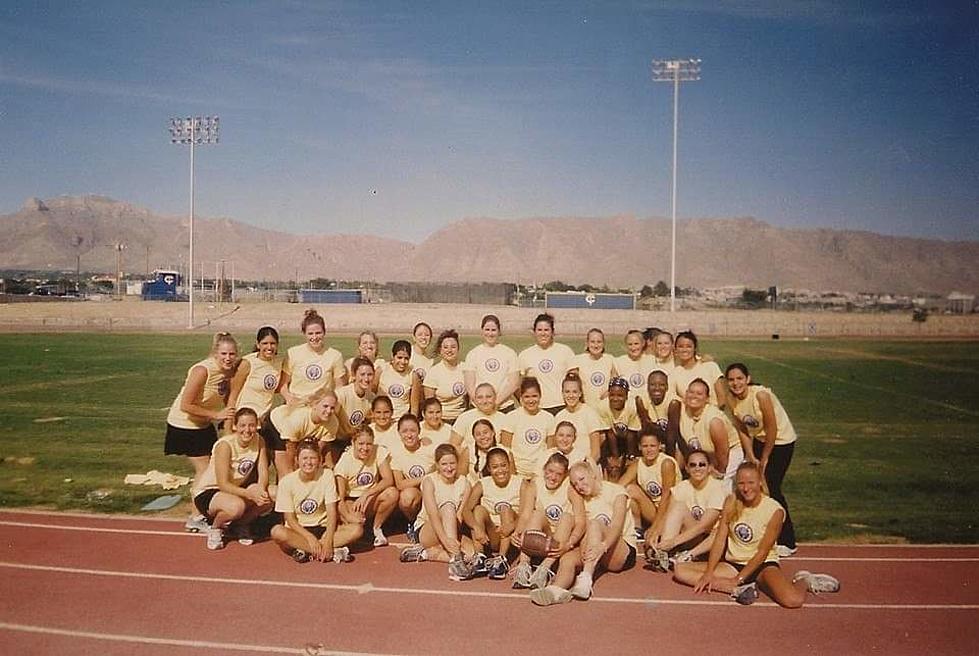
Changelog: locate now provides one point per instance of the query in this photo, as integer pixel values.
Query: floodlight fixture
(675, 71)
(193, 131)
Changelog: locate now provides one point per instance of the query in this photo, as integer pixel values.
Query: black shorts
(761, 568)
(191, 442)
(273, 440)
(317, 531)
(203, 501)
(630, 560)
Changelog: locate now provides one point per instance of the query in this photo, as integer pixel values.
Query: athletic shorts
(761, 568)
(630, 560)
(317, 531)
(273, 440)
(203, 500)
(191, 442)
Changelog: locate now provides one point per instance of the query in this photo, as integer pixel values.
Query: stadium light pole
(193, 131)
(675, 71)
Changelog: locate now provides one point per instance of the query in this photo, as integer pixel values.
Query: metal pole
(190, 268)
(676, 107)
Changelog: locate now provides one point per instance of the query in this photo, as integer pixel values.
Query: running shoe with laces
(300, 556)
(745, 594)
(215, 539)
(541, 578)
(550, 595)
(658, 559)
(479, 564)
(459, 568)
(681, 557)
(784, 551)
(498, 568)
(412, 533)
(413, 554)
(342, 555)
(817, 583)
(196, 524)
(582, 587)
(521, 575)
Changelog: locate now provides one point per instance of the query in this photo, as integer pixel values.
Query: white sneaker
(582, 587)
(784, 551)
(541, 578)
(196, 524)
(521, 575)
(817, 583)
(550, 595)
(215, 539)
(342, 555)
(380, 540)
(745, 594)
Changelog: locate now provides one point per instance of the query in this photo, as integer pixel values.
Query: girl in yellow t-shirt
(689, 366)
(288, 425)
(399, 382)
(259, 377)
(313, 366)
(742, 555)
(410, 462)
(595, 368)
(589, 428)
(445, 380)
(528, 429)
(421, 339)
(365, 483)
(492, 362)
(649, 480)
(491, 512)
(367, 344)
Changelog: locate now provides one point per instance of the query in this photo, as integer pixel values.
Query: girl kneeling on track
(609, 543)
(307, 498)
(491, 511)
(410, 462)
(743, 556)
(649, 480)
(551, 505)
(365, 484)
(439, 521)
(686, 528)
(235, 485)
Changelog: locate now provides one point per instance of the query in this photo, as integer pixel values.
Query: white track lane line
(367, 587)
(184, 534)
(313, 650)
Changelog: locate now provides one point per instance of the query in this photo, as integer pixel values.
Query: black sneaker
(300, 556)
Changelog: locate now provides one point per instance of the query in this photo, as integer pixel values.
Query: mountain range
(620, 251)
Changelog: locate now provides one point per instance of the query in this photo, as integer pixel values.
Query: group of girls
(598, 452)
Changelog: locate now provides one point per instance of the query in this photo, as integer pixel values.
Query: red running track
(80, 584)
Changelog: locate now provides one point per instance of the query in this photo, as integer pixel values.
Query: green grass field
(889, 431)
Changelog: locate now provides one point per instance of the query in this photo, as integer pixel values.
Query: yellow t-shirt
(215, 394)
(530, 433)
(310, 371)
(602, 508)
(454, 493)
(659, 413)
(352, 410)
(712, 495)
(477, 462)
(413, 464)
(696, 431)
(258, 392)
(594, 375)
(464, 425)
(548, 366)
(627, 418)
(296, 424)
(241, 465)
(682, 377)
(449, 388)
(554, 503)
(635, 371)
(746, 531)
(491, 364)
(650, 477)
(360, 474)
(441, 436)
(577, 454)
(387, 438)
(748, 410)
(307, 499)
(420, 362)
(496, 499)
(586, 421)
(398, 388)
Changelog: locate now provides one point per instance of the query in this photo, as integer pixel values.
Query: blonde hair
(222, 338)
(592, 471)
(739, 504)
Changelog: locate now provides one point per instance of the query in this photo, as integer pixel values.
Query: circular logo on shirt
(603, 518)
(492, 365)
(224, 387)
(396, 391)
(532, 436)
(554, 512)
(314, 372)
(750, 421)
(356, 418)
(546, 366)
(270, 382)
(597, 379)
(619, 427)
(694, 443)
(662, 422)
(697, 512)
(365, 478)
(416, 471)
(245, 466)
(308, 506)
(654, 489)
(420, 372)
(500, 506)
(635, 381)
(458, 389)
(743, 532)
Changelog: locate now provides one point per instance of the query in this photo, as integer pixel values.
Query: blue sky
(398, 118)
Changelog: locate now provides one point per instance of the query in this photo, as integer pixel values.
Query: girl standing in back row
(313, 366)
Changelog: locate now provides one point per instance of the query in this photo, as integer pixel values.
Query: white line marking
(96, 529)
(360, 589)
(84, 515)
(902, 545)
(175, 642)
(883, 560)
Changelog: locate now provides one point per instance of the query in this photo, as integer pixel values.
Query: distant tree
(557, 286)
(661, 289)
(588, 289)
(320, 283)
(646, 292)
(754, 297)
